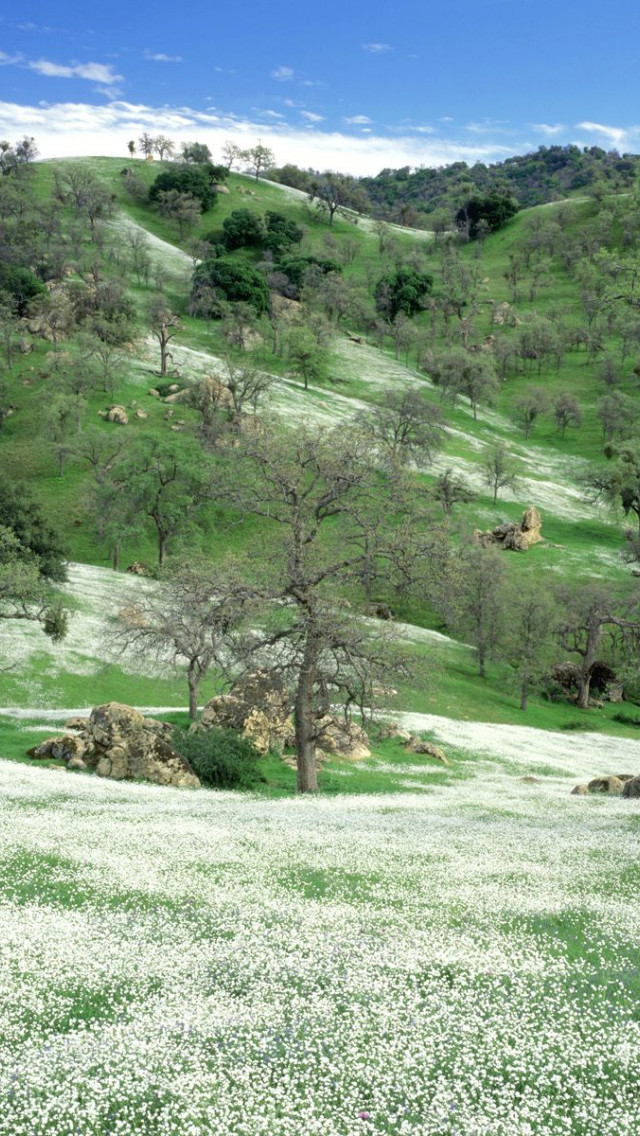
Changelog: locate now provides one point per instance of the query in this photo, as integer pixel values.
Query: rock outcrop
(613, 785)
(516, 537)
(117, 741)
(259, 707)
(631, 787)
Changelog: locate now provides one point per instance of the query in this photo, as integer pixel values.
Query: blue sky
(355, 86)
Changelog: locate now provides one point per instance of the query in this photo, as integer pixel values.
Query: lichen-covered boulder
(117, 741)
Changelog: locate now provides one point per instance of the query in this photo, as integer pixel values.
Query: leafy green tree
(404, 289)
(18, 287)
(36, 537)
(333, 192)
(243, 229)
(280, 233)
(495, 209)
(228, 281)
(186, 177)
(24, 592)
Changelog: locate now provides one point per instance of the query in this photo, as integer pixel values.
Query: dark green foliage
(544, 175)
(292, 175)
(296, 267)
(230, 281)
(198, 180)
(23, 517)
(280, 233)
(221, 758)
(243, 229)
(403, 290)
(20, 286)
(489, 213)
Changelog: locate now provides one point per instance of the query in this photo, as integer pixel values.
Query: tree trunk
(583, 689)
(305, 720)
(162, 547)
(524, 691)
(192, 680)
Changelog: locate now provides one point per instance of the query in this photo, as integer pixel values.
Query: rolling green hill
(563, 284)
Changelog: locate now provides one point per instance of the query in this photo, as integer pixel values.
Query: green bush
(221, 758)
(231, 282)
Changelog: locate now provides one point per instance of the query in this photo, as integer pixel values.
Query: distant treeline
(550, 173)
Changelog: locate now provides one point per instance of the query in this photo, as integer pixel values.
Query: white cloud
(549, 130)
(9, 60)
(283, 74)
(358, 120)
(376, 48)
(160, 57)
(311, 117)
(75, 129)
(95, 72)
(617, 136)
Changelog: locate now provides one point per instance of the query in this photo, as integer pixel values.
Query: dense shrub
(198, 180)
(221, 758)
(494, 211)
(230, 281)
(243, 229)
(403, 290)
(19, 285)
(280, 233)
(23, 517)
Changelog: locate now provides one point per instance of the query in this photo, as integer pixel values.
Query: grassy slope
(577, 545)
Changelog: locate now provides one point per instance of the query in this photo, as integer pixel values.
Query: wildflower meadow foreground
(462, 960)
(449, 960)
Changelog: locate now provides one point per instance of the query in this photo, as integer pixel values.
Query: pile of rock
(117, 741)
(614, 785)
(510, 535)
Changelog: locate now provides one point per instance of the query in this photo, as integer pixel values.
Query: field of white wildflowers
(461, 960)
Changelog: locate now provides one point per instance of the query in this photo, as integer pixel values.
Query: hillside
(504, 299)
